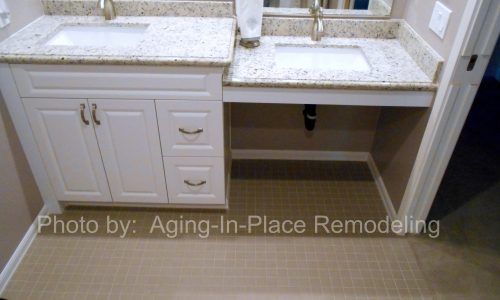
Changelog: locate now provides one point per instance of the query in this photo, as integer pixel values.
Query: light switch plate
(440, 18)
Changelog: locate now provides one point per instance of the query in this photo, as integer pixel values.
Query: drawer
(191, 128)
(195, 180)
(123, 82)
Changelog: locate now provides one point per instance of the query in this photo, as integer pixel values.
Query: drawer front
(124, 82)
(195, 180)
(190, 128)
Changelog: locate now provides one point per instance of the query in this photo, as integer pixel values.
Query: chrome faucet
(107, 8)
(316, 12)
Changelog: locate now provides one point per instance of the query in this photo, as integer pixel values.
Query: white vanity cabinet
(129, 135)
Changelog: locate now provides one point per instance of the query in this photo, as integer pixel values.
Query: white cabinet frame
(149, 83)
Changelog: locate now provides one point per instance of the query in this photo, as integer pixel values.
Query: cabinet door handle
(94, 114)
(199, 183)
(82, 114)
(186, 131)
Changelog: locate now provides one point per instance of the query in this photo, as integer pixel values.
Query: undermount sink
(321, 58)
(98, 35)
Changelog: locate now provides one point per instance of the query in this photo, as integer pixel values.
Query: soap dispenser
(249, 17)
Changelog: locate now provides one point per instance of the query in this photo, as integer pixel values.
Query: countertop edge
(380, 86)
(125, 60)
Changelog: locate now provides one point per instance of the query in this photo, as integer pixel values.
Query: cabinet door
(128, 137)
(68, 146)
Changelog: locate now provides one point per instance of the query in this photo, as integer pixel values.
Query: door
(127, 132)
(471, 52)
(68, 146)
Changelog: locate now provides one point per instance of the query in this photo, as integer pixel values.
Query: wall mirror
(331, 8)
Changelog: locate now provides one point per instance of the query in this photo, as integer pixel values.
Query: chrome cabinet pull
(186, 131)
(190, 183)
(94, 114)
(82, 114)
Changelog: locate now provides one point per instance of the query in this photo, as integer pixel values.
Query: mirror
(331, 8)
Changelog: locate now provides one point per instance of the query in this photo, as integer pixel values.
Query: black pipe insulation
(309, 113)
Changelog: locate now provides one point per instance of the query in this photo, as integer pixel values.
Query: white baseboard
(22, 248)
(382, 190)
(299, 155)
(228, 188)
(324, 155)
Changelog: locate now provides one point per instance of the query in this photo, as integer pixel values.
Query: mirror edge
(384, 12)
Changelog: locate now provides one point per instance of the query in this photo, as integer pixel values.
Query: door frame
(479, 28)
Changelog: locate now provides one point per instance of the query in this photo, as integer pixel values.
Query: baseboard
(20, 251)
(228, 187)
(384, 194)
(299, 155)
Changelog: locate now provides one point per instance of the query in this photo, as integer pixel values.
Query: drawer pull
(199, 183)
(185, 131)
(82, 114)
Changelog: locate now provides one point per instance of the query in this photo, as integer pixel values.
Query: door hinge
(472, 63)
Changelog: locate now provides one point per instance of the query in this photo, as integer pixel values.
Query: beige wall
(418, 14)
(281, 127)
(20, 200)
(395, 147)
(398, 9)
(400, 131)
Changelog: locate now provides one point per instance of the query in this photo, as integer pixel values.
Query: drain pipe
(309, 113)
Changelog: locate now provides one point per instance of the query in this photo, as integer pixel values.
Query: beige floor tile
(237, 265)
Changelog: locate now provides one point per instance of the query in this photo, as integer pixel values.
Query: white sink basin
(98, 35)
(321, 58)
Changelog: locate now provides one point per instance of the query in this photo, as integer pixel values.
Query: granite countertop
(391, 66)
(398, 58)
(184, 41)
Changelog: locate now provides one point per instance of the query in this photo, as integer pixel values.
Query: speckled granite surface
(384, 44)
(161, 8)
(167, 41)
(345, 28)
(427, 59)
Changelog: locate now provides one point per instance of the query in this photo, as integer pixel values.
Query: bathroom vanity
(132, 120)
(145, 120)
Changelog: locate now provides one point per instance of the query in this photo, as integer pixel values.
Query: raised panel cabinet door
(68, 146)
(127, 132)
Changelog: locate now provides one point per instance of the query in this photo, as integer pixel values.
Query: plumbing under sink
(98, 35)
(348, 58)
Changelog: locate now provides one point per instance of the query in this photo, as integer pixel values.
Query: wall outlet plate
(440, 18)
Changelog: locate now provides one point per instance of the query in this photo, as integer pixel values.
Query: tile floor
(236, 265)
